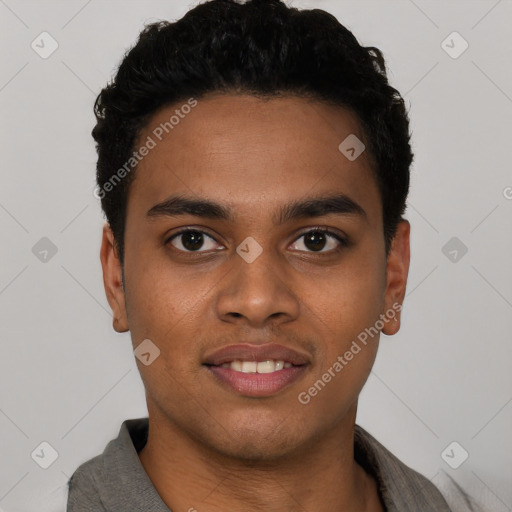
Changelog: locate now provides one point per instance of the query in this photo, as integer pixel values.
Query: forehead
(250, 153)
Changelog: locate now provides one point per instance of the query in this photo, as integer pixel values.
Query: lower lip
(257, 384)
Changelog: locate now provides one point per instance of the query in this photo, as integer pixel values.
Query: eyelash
(342, 241)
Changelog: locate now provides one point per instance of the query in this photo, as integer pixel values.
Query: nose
(258, 291)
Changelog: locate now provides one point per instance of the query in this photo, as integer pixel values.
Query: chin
(258, 441)
(255, 449)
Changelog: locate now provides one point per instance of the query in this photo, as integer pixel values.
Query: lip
(251, 352)
(256, 384)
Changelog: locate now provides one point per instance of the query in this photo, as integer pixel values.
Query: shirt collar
(401, 488)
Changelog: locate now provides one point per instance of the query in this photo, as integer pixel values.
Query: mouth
(268, 366)
(256, 370)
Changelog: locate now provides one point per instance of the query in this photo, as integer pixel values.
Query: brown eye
(318, 239)
(191, 240)
(315, 240)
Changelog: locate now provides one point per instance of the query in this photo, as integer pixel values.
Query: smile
(269, 366)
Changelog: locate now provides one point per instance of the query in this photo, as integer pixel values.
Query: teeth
(269, 366)
(249, 367)
(236, 365)
(266, 367)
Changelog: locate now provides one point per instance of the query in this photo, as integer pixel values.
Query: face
(285, 263)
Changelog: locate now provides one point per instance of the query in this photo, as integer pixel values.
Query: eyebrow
(338, 204)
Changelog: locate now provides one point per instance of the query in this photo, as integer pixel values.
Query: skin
(210, 448)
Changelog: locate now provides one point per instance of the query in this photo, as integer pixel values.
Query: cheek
(159, 298)
(158, 312)
(349, 309)
(350, 344)
(171, 310)
(354, 298)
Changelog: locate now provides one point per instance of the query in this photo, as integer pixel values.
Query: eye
(320, 238)
(315, 240)
(191, 240)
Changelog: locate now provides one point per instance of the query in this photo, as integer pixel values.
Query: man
(253, 166)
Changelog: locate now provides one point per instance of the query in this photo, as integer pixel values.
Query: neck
(322, 476)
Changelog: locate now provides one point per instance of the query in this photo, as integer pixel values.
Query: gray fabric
(116, 480)
(401, 488)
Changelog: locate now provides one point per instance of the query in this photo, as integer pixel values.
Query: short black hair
(260, 47)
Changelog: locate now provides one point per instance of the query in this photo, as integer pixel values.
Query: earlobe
(397, 272)
(392, 326)
(113, 280)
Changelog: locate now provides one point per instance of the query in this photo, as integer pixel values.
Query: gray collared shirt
(116, 480)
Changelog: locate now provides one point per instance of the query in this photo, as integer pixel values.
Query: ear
(112, 280)
(397, 272)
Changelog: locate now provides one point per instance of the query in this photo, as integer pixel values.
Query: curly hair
(263, 48)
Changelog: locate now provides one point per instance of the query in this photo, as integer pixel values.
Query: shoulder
(403, 488)
(97, 484)
(84, 485)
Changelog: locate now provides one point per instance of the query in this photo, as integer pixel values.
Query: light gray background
(67, 378)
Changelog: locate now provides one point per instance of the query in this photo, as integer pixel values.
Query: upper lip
(250, 352)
